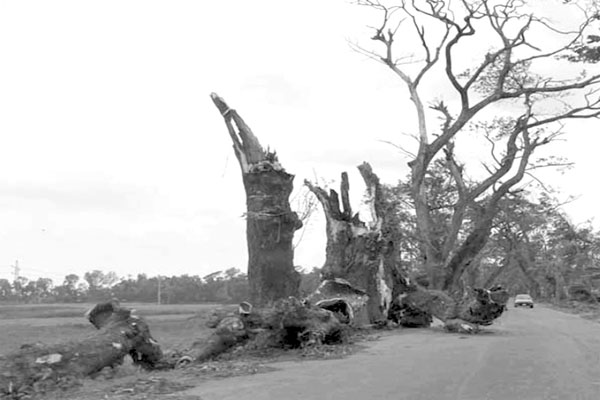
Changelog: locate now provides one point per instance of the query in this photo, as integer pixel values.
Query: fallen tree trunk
(270, 222)
(348, 303)
(288, 324)
(37, 367)
(480, 308)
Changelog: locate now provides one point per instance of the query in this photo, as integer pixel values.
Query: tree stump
(270, 222)
(365, 255)
(37, 367)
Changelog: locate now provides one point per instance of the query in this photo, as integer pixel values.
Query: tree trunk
(524, 262)
(270, 222)
(467, 253)
(479, 307)
(36, 368)
(367, 256)
(287, 324)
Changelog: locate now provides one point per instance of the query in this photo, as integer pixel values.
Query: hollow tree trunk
(36, 368)
(366, 255)
(270, 222)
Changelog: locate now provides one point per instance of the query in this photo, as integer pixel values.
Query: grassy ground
(175, 327)
(584, 310)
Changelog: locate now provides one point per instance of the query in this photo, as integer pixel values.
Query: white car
(523, 300)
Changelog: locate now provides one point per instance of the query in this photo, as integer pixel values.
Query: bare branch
(400, 148)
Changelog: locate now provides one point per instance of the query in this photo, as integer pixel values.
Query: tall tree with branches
(532, 107)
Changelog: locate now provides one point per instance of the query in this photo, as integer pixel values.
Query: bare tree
(535, 106)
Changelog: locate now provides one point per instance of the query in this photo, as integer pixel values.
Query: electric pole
(16, 270)
(159, 290)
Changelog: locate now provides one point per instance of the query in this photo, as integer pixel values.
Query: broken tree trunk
(38, 367)
(365, 255)
(480, 308)
(347, 302)
(288, 324)
(270, 222)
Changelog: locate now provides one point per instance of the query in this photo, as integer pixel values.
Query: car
(523, 300)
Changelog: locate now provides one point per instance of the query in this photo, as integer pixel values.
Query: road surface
(526, 355)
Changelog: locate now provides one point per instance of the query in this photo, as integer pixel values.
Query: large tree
(531, 107)
(534, 248)
(270, 222)
(367, 254)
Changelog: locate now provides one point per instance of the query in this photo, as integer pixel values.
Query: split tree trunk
(366, 255)
(36, 368)
(270, 222)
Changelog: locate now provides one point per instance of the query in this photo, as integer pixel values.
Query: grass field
(173, 326)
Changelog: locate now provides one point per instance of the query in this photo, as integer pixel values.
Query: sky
(113, 156)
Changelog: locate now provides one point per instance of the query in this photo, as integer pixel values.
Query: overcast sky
(113, 157)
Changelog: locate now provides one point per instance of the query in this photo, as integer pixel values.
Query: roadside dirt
(527, 355)
(127, 382)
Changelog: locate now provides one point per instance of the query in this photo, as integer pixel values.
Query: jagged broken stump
(366, 255)
(270, 221)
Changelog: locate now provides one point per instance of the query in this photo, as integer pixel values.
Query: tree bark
(270, 222)
(287, 324)
(365, 255)
(36, 368)
(467, 253)
(480, 308)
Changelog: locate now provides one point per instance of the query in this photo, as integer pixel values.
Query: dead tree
(480, 308)
(366, 255)
(37, 367)
(270, 222)
(289, 323)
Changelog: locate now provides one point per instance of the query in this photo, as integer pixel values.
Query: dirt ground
(175, 327)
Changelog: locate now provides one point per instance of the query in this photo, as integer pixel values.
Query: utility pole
(159, 290)
(16, 270)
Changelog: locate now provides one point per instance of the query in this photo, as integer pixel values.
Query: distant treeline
(229, 286)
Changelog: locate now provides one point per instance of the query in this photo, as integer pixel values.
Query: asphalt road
(526, 355)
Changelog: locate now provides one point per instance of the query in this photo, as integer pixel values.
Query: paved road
(527, 355)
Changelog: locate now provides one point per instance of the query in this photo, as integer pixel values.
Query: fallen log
(35, 368)
(417, 305)
(290, 323)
